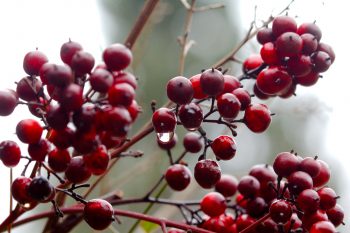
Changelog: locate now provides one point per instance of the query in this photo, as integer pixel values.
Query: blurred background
(315, 122)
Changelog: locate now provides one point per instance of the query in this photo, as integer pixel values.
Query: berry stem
(257, 222)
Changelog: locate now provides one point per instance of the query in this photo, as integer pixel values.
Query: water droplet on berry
(165, 137)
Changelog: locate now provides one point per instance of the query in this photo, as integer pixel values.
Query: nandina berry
(269, 55)
(285, 164)
(118, 121)
(76, 171)
(39, 150)
(300, 65)
(33, 61)
(243, 97)
(134, 109)
(259, 94)
(327, 49)
(213, 204)
(336, 215)
(310, 166)
(72, 97)
(265, 35)
(264, 173)
(168, 144)
(231, 83)
(280, 211)
(310, 28)
(310, 43)
(85, 142)
(101, 80)
(82, 63)
(308, 80)
(29, 131)
(41, 190)
(256, 207)
(322, 61)
(180, 90)
(228, 105)
(117, 57)
(164, 123)
(62, 139)
(58, 159)
(10, 153)
(282, 24)
(197, 89)
(243, 221)
(299, 181)
(191, 116)
(192, 142)
(84, 118)
(97, 161)
(308, 200)
(257, 117)
(323, 227)
(8, 102)
(28, 88)
(252, 62)
(248, 186)
(98, 213)
(309, 219)
(323, 177)
(267, 226)
(289, 44)
(224, 147)
(328, 198)
(68, 50)
(121, 94)
(57, 117)
(273, 81)
(212, 82)
(178, 177)
(227, 185)
(59, 76)
(207, 173)
(124, 77)
(19, 189)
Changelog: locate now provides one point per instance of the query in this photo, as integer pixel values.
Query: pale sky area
(45, 24)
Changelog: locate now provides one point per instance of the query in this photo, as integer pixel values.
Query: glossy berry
(118, 121)
(117, 57)
(243, 221)
(257, 117)
(285, 163)
(309, 219)
(40, 189)
(167, 145)
(164, 120)
(38, 151)
(268, 53)
(227, 185)
(85, 118)
(59, 159)
(192, 142)
(336, 215)
(33, 61)
(59, 76)
(28, 88)
(62, 139)
(124, 77)
(310, 166)
(57, 117)
(265, 35)
(10, 153)
(323, 177)
(323, 227)
(327, 49)
(310, 28)
(264, 173)
(197, 89)
(289, 44)
(191, 116)
(259, 94)
(97, 161)
(328, 198)
(224, 147)
(299, 66)
(308, 200)
(212, 82)
(29, 131)
(231, 83)
(322, 61)
(101, 80)
(310, 43)
(19, 189)
(243, 97)
(178, 177)
(8, 102)
(273, 81)
(68, 50)
(256, 207)
(76, 171)
(180, 90)
(248, 186)
(282, 24)
(228, 105)
(280, 211)
(121, 94)
(98, 213)
(134, 109)
(72, 97)
(268, 226)
(299, 181)
(207, 173)
(82, 63)
(213, 204)
(307, 80)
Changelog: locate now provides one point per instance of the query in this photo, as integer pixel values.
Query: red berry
(224, 147)
(256, 207)
(33, 61)
(72, 97)
(84, 118)
(322, 61)
(178, 177)
(192, 142)
(249, 186)
(191, 116)
(207, 173)
(231, 83)
(117, 57)
(76, 171)
(212, 82)
(125, 77)
(310, 43)
(101, 80)
(259, 94)
(285, 164)
(180, 90)
(227, 185)
(268, 53)
(308, 200)
(299, 181)
(257, 117)
(264, 173)
(228, 105)
(97, 161)
(243, 221)
(328, 198)
(310, 28)
(327, 49)
(59, 76)
(10, 153)
(118, 121)
(59, 159)
(19, 189)
(265, 35)
(62, 139)
(38, 151)
(57, 118)
(289, 44)
(243, 96)
(197, 89)
(82, 63)
(310, 166)
(98, 213)
(8, 102)
(323, 177)
(68, 50)
(134, 110)
(280, 211)
(323, 227)
(309, 219)
(336, 215)
(307, 80)
(121, 94)
(40, 189)
(164, 122)
(300, 65)
(213, 204)
(282, 24)
(29, 131)
(28, 88)
(273, 81)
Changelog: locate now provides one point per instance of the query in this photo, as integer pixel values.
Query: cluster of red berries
(300, 203)
(228, 98)
(76, 120)
(290, 55)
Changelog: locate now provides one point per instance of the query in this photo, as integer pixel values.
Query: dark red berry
(299, 181)
(285, 164)
(207, 173)
(224, 147)
(178, 177)
(19, 189)
(121, 94)
(169, 144)
(248, 186)
(62, 139)
(164, 122)
(307, 80)
(59, 159)
(228, 105)
(72, 97)
(197, 89)
(231, 83)
(97, 161)
(82, 63)
(257, 117)
(264, 173)
(327, 49)
(300, 65)
(323, 177)
(289, 44)
(118, 121)
(28, 88)
(59, 76)
(310, 28)
(40, 189)
(308, 200)
(192, 142)
(29, 131)
(280, 211)
(328, 198)
(57, 118)
(259, 94)
(252, 62)
(243, 96)
(273, 81)
(212, 82)
(85, 142)
(101, 80)
(213, 204)
(322, 61)
(310, 166)
(8, 102)
(125, 77)
(282, 24)
(243, 221)
(68, 50)
(336, 215)
(76, 171)
(33, 61)
(117, 57)
(323, 227)
(256, 207)
(85, 118)
(268, 53)
(98, 213)
(227, 185)
(309, 219)
(265, 35)
(191, 116)
(180, 90)
(10, 153)
(268, 226)
(134, 110)
(38, 151)
(310, 43)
